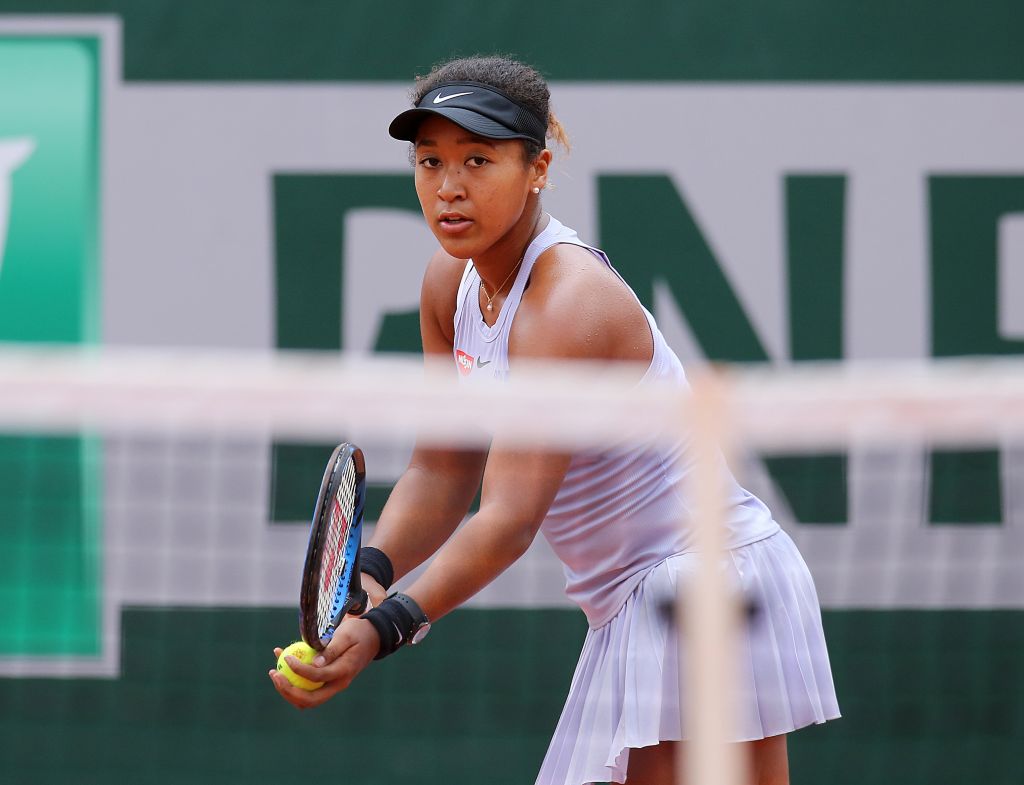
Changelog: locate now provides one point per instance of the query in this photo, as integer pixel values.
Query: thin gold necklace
(490, 298)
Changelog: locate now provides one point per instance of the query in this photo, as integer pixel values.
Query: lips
(453, 223)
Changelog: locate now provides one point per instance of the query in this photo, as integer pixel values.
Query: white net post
(708, 610)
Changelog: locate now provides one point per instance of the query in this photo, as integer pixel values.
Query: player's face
(473, 190)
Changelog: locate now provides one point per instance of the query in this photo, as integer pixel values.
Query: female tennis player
(510, 282)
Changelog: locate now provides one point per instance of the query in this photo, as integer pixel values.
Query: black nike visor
(479, 108)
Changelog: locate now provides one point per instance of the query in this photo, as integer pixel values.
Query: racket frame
(349, 595)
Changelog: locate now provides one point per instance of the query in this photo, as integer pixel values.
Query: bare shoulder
(575, 306)
(438, 294)
(442, 276)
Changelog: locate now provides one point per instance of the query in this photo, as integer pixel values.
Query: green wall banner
(51, 555)
(780, 183)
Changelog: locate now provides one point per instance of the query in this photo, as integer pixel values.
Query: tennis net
(155, 507)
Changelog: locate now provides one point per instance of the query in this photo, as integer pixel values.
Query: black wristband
(375, 563)
(393, 622)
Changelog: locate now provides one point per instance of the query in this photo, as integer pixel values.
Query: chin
(460, 249)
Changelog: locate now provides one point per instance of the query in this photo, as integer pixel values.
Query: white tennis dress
(615, 524)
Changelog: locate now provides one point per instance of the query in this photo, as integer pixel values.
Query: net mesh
(155, 513)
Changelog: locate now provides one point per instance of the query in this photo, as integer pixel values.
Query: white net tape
(563, 404)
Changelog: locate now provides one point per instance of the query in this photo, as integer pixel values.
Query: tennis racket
(330, 578)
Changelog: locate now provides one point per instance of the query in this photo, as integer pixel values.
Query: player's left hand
(353, 647)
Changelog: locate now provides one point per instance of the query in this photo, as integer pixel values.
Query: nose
(451, 187)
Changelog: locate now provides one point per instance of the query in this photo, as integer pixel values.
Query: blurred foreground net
(153, 524)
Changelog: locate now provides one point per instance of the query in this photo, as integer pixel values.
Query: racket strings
(333, 561)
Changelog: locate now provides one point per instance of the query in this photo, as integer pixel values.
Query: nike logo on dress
(482, 363)
(440, 99)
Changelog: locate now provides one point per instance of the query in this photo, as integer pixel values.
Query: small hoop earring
(536, 190)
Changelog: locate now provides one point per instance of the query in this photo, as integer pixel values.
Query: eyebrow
(464, 140)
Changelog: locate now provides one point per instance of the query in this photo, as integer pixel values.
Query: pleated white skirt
(626, 691)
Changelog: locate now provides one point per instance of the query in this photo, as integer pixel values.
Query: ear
(539, 170)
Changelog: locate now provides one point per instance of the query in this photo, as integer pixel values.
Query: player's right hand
(353, 647)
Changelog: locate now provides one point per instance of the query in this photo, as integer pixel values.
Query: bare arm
(428, 502)
(518, 488)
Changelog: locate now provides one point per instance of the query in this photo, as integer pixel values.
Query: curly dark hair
(521, 82)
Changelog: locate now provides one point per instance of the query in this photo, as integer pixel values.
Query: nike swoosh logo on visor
(440, 99)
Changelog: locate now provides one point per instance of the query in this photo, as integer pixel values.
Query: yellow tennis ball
(305, 653)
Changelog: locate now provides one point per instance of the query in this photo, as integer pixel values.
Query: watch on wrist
(419, 623)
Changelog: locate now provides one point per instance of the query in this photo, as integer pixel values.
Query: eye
(477, 161)
(429, 162)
